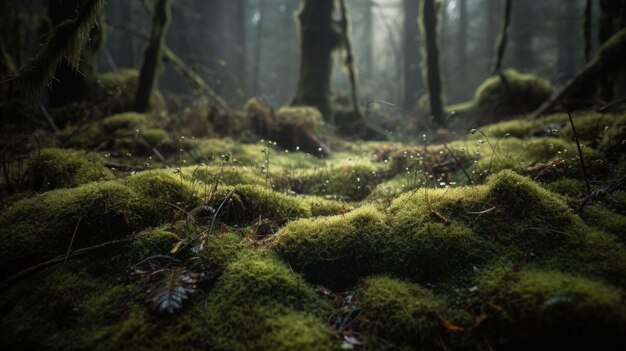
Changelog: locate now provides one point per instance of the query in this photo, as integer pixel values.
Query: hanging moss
(65, 41)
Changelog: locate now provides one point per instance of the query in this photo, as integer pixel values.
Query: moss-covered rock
(54, 168)
(551, 310)
(336, 250)
(520, 94)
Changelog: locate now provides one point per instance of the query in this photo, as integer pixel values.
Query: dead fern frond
(171, 283)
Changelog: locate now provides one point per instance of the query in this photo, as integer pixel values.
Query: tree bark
(412, 79)
(502, 38)
(433, 76)
(587, 24)
(318, 39)
(152, 56)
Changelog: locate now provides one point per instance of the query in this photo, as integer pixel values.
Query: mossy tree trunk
(503, 38)
(412, 79)
(522, 36)
(588, 43)
(428, 22)
(318, 39)
(71, 84)
(152, 56)
(612, 20)
(461, 50)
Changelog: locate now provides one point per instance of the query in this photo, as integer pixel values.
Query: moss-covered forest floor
(167, 241)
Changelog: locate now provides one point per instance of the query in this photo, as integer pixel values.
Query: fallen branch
(59, 259)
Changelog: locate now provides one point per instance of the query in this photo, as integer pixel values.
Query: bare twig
(19, 275)
(580, 153)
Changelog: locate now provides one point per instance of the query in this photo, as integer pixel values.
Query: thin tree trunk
(152, 56)
(412, 80)
(492, 27)
(349, 62)
(502, 38)
(462, 46)
(258, 49)
(433, 76)
(368, 38)
(240, 47)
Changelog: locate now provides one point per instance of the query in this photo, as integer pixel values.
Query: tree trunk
(428, 23)
(152, 56)
(318, 39)
(492, 17)
(368, 39)
(256, 86)
(522, 36)
(587, 24)
(412, 79)
(502, 38)
(461, 51)
(612, 20)
(566, 46)
(240, 59)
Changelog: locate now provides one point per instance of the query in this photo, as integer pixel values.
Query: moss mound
(260, 304)
(397, 314)
(520, 94)
(59, 168)
(551, 310)
(42, 227)
(163, 192)
(250, 203)
(336, 250)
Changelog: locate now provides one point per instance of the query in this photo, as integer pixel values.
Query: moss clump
(219, 251)
(336, 250)
(551, 310)
(58, 168)
(127, 122)
(522, 93)
(42, 227)
(260, 304)
(150, 242)
(402, 314)
(249, 203)
(352, 183)
(163, 192)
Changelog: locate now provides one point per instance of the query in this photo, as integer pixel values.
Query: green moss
(257, 301)
(336, 250)
(324, 207)
(606, 220)
(551, 310)
(150, 242)
(39, 228)
(353, 182)
(164, 192)
(219, 251)
(570, 187)
(58, 168)
(525, 93)
(249, 203)
(396, 314)
(127, 122)
(30, 323)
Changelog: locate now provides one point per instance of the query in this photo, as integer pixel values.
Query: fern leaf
(170, 287)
